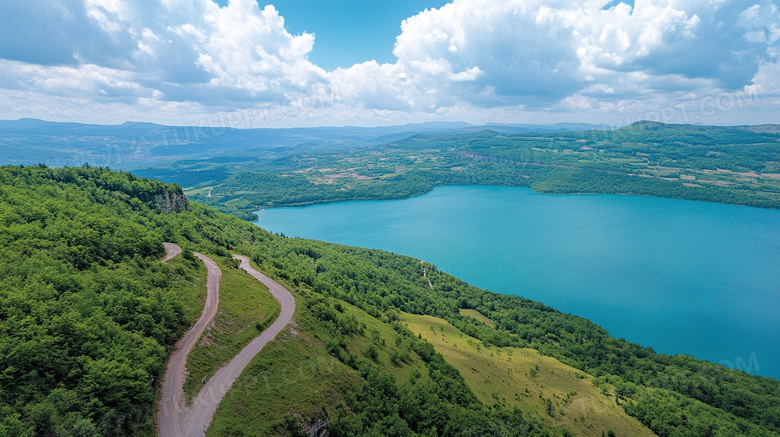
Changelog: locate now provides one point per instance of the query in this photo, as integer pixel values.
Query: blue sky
(347, 31)
(377, 63)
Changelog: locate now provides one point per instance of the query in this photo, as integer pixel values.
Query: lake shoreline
(550, 193)
(419, 226)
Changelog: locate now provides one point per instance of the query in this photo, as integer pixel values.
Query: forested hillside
(86, 309)
(737, 165)
(88, 315)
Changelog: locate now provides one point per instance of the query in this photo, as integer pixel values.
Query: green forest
(736, 165)
(88, 316)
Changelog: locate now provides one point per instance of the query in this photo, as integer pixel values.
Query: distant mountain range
(131, 145)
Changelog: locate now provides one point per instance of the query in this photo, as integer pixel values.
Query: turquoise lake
(688, 277)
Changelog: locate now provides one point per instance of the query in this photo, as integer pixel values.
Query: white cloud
(67, 81)
(182, 48)
(247, 48)
(534, 54)
(768, 77)
(761, 23)
(470, 58)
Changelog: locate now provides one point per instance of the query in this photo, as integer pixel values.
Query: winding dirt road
(198, 417)
(172, 403)
(171, 250)
(174, 418)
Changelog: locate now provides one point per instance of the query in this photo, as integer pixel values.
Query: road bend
(171, 250)
(172, 406)
(198, 417)
(174, 418)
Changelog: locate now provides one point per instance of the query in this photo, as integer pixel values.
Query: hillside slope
(512, 377)
(88, 315)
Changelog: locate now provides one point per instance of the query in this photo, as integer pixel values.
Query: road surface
(172, 402)
(171, 250)
(174, 418)
(198, 417)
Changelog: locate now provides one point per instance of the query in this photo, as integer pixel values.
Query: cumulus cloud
(465, 58)
(481, 51)
(761, 22)
(181, 49)
(533, 53)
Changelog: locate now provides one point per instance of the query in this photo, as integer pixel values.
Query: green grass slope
(520, 377)
(245, 309)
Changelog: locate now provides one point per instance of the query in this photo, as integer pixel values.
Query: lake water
(681, 276)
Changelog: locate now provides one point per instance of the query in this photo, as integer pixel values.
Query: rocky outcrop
(319, 429)
(169, 202)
